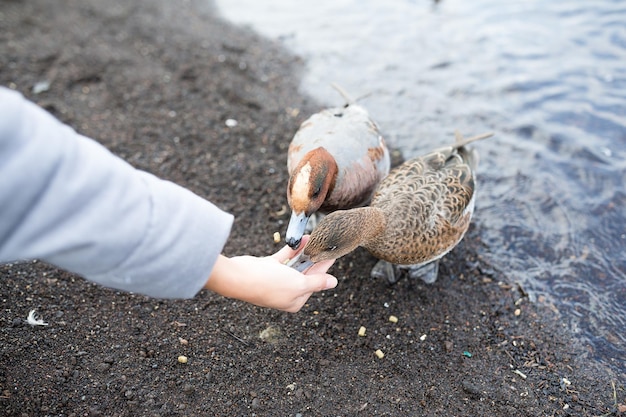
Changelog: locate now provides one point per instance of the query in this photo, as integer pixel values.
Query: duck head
(342, 231)
(335, 236)
(310, 183)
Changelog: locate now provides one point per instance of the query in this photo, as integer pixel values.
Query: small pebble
(103, 366)
(41, 87)
(423, 337)
(231, 122)
(276, 237)
(380, 354)
(393, 319)
(182, 359)
(362, 331)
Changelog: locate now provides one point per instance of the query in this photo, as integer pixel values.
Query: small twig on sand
(511, 356)
(615, 405)
(235, 337)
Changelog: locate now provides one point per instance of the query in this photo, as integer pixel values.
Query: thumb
(287, 253)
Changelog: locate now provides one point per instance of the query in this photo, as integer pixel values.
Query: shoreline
(155, 83)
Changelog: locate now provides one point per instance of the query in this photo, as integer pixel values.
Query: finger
(320, 267)
(331, 282)
(320, 282)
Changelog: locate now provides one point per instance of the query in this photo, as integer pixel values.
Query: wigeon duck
(419, 212)
(335, 161)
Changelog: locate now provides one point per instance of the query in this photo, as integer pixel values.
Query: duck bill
(301, 262)
(296, 229)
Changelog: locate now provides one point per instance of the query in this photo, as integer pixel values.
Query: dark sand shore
(155, 82)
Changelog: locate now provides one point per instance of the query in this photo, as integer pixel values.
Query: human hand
(267, 281)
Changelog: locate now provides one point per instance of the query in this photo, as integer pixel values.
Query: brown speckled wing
(426, 200)
(459, 181)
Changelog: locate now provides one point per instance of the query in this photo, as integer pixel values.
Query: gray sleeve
(67, 200)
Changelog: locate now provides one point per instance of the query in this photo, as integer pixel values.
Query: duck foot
(386, 270)
(428, 273)
(392, 273)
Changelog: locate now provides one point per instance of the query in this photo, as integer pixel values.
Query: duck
(335, 161)
(419, 212)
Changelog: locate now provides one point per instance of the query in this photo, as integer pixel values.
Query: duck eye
(316, 193)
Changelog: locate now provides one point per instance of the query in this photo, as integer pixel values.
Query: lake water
(549, 78)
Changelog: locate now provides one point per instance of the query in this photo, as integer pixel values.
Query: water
(548, 77)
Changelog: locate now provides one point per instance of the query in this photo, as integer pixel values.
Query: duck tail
(469, 155)
(461, 141)
(349, 100)
(344, 94)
